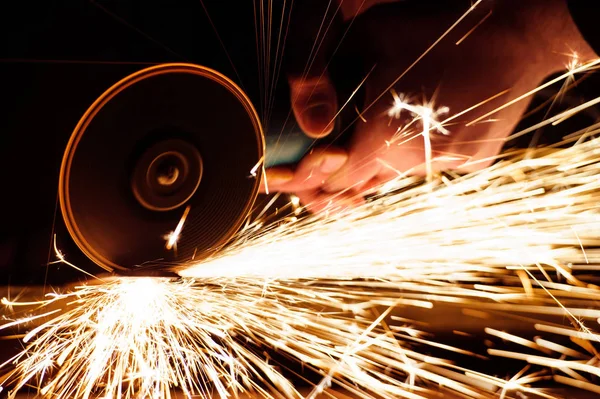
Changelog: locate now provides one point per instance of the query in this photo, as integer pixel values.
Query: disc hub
(167, 175)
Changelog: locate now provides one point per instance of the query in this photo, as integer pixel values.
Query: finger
(362, 166)
(314, 169)
(275, 177)
(314, 103)
(313, 34)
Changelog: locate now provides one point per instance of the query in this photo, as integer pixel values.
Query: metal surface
(160, 140)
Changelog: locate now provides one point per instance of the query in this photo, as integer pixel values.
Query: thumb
(313, 34)
(314, 103)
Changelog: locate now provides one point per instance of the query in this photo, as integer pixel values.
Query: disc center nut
(167, 172)
(167, 175)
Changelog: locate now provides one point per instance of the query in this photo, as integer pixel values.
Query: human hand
(506, 56)
(313, 37)
(310, 40)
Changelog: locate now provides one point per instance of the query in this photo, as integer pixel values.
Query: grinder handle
(288, 148)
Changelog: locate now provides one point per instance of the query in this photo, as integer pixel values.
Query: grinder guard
(159, 140)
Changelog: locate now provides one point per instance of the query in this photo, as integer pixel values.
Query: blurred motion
(154, 154)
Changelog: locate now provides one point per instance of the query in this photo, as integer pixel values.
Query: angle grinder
(169, 143)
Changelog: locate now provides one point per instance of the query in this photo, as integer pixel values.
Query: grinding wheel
(164, 141)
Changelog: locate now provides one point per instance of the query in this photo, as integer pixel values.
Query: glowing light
(312, 290)
(428, 117)
(173, 236)
(517, 212)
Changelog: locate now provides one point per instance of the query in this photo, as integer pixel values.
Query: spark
(62, 259)
(440, 243)
(516, 212)
(473, 28)
(256, 166)
(424, 112)
(139, 337)
(356, 90)
(573, 64)
(428, 117)
(582, 68)
(577, 383)
(173, 236)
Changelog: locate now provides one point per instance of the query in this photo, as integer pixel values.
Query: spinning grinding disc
(160, 141)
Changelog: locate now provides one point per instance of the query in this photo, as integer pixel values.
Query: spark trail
(520, 212)
(327, 294)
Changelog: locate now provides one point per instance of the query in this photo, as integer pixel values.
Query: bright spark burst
(313, 291)
(518, 212)
(173, 236)
(139, 337)
(324, 294)
(426, 114)
(508, 241)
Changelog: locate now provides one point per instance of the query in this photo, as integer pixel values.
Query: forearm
(547, 27)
